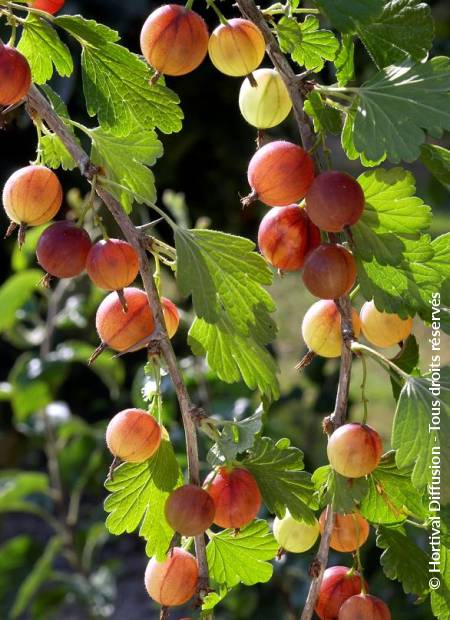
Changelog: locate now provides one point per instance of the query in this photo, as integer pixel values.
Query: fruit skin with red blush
(364, 607)
(133, 435)
(15, 76)
(338, 585)
(354, 450)
(350, 531)
(190, 510)
(237, 47)
(62, 249)
(174, 40)
(280, 173)
(285, 237)
(236, 496)
(174, 581)
(32, 195)
(50, 6)
(112, 264)
(171, 316)
(124, 330)
(321, 328)
(383, 329)
(329, 271)
(335, 200)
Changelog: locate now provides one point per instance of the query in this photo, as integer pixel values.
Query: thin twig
(297, 91)
(38, 104)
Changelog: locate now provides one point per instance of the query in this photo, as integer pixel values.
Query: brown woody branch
(297, 91)
(38, 105)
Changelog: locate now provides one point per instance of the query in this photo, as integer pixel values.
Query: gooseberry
(335, 200)
(174, 581)
(280, 173)
(124, 330)
(293, 535)
(62, 249)
(133, 435)
(15, 76)
(354, 450)
(268, 103)
(171, 316)
(32, 195)
(285, 236)
(190, 510)
(50, 6)
(364, 607)
(112, 264)
(383, 329)
(237, 47)
(174, 40)
(236, 497)
(329, 271)
(321, 328)
(338, 585)
(350, 531)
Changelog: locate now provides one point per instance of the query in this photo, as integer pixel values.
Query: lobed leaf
(242, 557)
(235, 438)
(344, 15)
(437, 160)
(307, 45)
(344, 494)
(278, 470)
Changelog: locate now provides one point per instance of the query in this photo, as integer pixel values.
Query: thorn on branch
(328, 425)
(315, 568)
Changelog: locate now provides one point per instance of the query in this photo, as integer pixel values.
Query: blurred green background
(207, 162)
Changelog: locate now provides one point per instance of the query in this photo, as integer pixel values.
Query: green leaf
(222, 271)
(348, 143)
(40, 572)
(212, 599)
(325, 119)
(437, 160)
(404, 28)
(391, 497)
(138, 494)
(407, 359)
(236, 437)
(42, 47)
(406, 288)
(344, 494)
(307, 45)
(345, 60)
(242, 557)
(15, 292)
(344, 15)
(54, 153)
(391, 207)
(398, 105)
(278, 470)
(116, 83)
(440, 598)
(412, 434)
(16, 486)
(125, 160)
(403, 560)
(232, 355)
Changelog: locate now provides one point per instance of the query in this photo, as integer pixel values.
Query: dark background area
(207, 161)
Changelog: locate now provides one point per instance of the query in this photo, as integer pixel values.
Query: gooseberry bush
(351, 242)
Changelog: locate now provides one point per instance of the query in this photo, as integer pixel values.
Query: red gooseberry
(15, 76)
(174, 581)
(350, 531)
(329, 271)
(364, 607)
(236, 496)
(62, 249)
(338, 584)
(174, 40)
(189, 510)
(133, 435)
(280, 173)
(237, 47)
(354, 450)
(285, 236)
(335, 200)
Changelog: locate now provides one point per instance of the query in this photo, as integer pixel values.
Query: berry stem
(38, 104)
